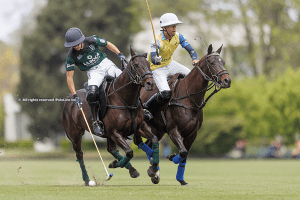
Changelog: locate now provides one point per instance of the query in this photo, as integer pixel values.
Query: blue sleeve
(191, 51)
(153, 47)
(153, 54)
(183, 42)
(153, 50)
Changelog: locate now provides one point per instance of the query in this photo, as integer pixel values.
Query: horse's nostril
(227, 81)
(148, 83)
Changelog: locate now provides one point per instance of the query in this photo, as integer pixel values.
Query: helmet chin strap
(165, 30)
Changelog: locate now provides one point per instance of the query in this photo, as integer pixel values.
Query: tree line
(258, 105)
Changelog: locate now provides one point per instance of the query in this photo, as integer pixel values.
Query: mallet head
(109, 176)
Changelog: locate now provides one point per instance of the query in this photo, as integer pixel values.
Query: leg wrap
(177, 159)
(146, 149)
(155, 155)
(125, 160)
(119, 157)
(85, 176)
(180, 171)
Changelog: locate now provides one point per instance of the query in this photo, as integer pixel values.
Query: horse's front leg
(111, 148)
(119, 140)
(180, 159)
(151, 153)
(181, 165)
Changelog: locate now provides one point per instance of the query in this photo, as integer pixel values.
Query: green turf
(208, 179)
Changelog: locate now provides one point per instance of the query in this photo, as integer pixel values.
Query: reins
(135, 79)
(214, 79)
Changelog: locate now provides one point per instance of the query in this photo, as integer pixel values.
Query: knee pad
(92, 95)
(129, 154)
(183, 154)
(165, 95)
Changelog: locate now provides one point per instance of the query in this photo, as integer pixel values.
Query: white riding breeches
(97, 73)
(161, 74)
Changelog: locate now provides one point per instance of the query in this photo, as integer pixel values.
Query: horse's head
(140, 70)
(213, 65)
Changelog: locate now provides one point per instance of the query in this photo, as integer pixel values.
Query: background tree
(9, 77)
(271, 34)
(43, 55)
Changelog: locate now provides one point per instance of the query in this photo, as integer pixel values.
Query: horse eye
(136, 65)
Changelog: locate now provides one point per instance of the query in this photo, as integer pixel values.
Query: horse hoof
(134, 173)
(113, 164)
(183, 183)
(155, 179)
(152, 171)
(171, 156)
(86, 182)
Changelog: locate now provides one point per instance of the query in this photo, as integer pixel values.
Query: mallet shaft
(152, 28)
(94, 140)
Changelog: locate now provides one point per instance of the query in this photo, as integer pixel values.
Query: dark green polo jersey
(87, 57)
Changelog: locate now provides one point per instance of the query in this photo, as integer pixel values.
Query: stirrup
(98, 127)
(147, 115)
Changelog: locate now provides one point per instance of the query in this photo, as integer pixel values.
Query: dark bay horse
(124, 116)
(182, 116)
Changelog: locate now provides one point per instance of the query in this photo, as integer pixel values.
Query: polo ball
(92, 183)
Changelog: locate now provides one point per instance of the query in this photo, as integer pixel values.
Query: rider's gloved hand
(158, 60)
(195, 62)
(121, 56)
(77, 100)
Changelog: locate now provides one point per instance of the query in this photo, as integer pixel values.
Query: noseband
(137, 79)
(215, 76)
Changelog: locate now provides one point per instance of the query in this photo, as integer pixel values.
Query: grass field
(208, 179)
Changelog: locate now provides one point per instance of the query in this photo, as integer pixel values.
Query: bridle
(215, 76)
(136, 79)
(215, 82)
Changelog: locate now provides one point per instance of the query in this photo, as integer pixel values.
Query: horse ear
(132, 52)
(209, 49)
(220, 49)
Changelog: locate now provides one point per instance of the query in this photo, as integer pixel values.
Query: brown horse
(124, 116)
(182, 116)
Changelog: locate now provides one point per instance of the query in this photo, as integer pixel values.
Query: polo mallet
(202, 42)
(108, 175)
(152, 29)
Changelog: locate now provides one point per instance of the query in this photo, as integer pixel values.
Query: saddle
(102, 94)
(173, 82)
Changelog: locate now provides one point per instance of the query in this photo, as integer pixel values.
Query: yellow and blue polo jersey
(166, 48)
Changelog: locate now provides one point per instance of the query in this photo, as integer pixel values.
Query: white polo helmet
(168, 19)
